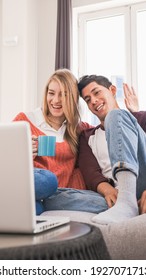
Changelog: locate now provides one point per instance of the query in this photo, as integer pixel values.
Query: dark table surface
(71, 241)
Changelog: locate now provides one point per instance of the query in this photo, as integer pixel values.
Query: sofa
(124, 241)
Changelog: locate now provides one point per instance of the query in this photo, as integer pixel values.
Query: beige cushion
(125, 240)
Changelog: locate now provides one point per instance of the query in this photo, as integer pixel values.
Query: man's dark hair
(87, 79)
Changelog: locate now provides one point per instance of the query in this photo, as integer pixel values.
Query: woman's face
(54, 100)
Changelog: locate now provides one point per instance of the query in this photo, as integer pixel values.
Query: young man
(115, 151)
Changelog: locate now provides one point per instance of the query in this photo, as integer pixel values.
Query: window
(139, 52)
(112, 42)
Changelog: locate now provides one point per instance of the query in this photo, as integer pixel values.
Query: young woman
(59, 116)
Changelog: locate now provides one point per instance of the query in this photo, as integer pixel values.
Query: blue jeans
(75, 200)
(45, 185)
(126, 145)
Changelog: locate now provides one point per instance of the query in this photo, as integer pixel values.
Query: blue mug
(46, 145)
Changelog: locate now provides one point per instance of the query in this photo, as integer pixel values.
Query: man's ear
(113, 90)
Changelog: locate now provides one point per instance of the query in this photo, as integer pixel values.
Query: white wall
(0, 45)
(26, 63)
(18, 77)
(47, 24)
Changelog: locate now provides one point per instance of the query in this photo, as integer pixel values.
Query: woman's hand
(142, 203)
(34, 146)
(131, 99)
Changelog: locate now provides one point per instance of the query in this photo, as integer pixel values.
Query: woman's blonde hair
(70, 98)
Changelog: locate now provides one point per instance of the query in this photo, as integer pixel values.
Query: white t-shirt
(98, 145)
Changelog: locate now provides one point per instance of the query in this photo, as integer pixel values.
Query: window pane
(105, 51)
(106, 46)
(141, 52)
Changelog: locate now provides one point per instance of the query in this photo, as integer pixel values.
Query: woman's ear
(113, 90)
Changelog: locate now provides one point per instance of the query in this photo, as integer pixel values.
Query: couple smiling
(111, 156)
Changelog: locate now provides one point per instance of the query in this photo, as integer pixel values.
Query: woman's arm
(131, 99)
(142, 203)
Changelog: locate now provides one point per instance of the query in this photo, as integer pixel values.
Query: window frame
(135, 8)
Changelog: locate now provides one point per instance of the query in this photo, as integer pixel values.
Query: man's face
(100, 100)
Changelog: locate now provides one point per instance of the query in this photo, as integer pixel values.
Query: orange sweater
(63, 164)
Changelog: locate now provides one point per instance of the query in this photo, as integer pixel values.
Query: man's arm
(92, 173)
(88, 164)
(142, 203)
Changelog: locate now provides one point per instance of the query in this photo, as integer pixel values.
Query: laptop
(17, 193)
